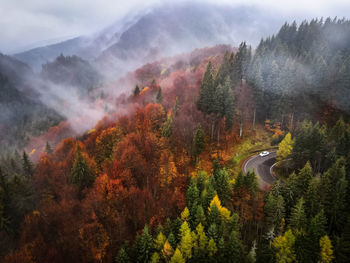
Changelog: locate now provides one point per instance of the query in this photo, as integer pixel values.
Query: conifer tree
(167, 251)
(159, 97)
(144, 246)
(136, 90)
(298, 216)
(326, 250)
(284, 246)
(159, 242)
(27, 166)
(285, 148)
(212, 248)
(81, 174)
(186, 245)
(123, 256)
(177, 257)
(207, 91)
(48, 148)
(198, 141)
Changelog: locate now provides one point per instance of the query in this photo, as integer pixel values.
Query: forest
(164, 183)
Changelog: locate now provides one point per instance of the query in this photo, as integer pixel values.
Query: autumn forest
(164, 178)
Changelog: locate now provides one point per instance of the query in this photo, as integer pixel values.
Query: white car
(264, 153)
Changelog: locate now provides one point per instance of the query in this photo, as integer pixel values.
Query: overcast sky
(28, 23)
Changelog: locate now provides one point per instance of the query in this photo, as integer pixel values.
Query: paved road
(262, 168)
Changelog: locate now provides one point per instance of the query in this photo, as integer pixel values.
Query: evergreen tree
(27, 166)
(159, 242)
(229, 104)
(298, 217)
(167, 251)
(159, 97)
(212, 248)
(81, 175)
(207, 91)
(48, 148)
(144, 246)
(326, 250)
(185, 245)
(172, 240)
(123, 256)
(136, 90)
(198, 141)
(285, 148)
(192, 194)
(177, 257)
(284, 246)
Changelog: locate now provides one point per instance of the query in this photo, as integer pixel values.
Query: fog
(27, 24)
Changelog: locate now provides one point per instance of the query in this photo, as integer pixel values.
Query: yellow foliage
(144, 90)
(326, 250)
(224, 212)
(185, 214)
(32, 152)
(285, 147)
(91, 131)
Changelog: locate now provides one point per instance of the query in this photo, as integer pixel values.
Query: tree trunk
(241, 127)
(254, 119)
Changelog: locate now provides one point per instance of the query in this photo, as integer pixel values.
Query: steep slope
(21, 114)
(173, 29)
(165, 30)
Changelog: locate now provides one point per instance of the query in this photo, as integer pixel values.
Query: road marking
(245, 165)
(271, 171)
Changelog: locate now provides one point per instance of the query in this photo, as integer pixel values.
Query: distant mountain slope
(170, 30)
(166, 30)
(21, 113)
(88, 47)
(71, 72)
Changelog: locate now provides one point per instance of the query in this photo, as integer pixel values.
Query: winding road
(262, 166)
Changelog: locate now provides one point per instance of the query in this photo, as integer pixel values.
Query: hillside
(165, 30)
(159, 177)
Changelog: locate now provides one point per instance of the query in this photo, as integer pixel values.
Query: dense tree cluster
(155, 186)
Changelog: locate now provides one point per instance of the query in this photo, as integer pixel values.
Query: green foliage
(298, 218)
(82, 176)
(284, 246)
(159, 97)
(198, 141)
(136, 90)
(177, 257)
(27, 166)
(144, 246)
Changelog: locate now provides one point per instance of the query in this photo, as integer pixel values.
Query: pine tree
(229, 103)
(167, 251)
(48, 148)
(177, 257)
(285, 148)
(155, 258)
(212, 249)
(81, 174)
(172, 240)
(198, 141)
(284, 246)
(159, 242)
(185, 214)
(199, 217)
(159, 97)
(207, 91)
(27, 166)
(123, 256)
(326, 250)
(233, 251)
(186, 245)
(192, 194)
(136, 90)
(144, 246)
(298, 216)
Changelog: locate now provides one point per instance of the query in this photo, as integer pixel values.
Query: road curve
(262, 166)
